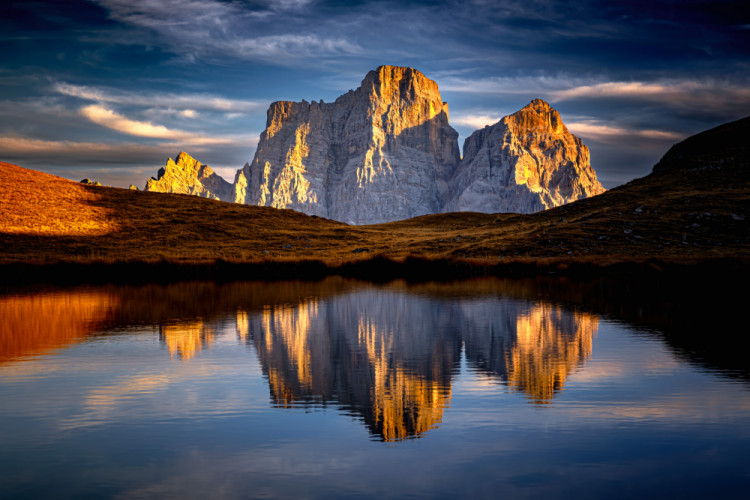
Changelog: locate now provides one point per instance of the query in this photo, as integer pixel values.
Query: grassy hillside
(686, 211)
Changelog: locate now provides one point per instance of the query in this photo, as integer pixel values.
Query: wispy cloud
(523, 85)
(707, 96)
(197, 29)
(475, 121)
(608, 132)
(55, 152)
(161, 100)
(17, 146)
(115, 121)
(667, 91)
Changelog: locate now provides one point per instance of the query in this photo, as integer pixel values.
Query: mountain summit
(386, 152)
(524, 163)
(186, 175)
(379, 153)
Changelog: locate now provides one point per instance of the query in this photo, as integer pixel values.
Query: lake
(483, 388)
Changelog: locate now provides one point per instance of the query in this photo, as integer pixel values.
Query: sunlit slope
(696, 204)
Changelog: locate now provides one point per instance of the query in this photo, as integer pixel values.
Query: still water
(483, 389)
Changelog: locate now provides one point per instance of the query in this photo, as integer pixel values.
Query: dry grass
(678, 216)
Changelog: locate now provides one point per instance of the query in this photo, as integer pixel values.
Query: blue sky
(109, 89)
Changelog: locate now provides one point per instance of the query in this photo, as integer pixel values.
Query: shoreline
(378, 268)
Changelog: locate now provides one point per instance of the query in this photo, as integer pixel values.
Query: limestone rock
(380, 153)
(90, 182)
(189, 176)
(132, 187)
(386, 152)
(524, 163)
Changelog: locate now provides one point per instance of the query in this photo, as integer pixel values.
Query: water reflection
(186, 339)
(533, 348)
(384, 353)
(159, 391)
(40, 323)
(380, 355)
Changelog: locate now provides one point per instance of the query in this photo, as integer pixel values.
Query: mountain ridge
(691, 214)
(386, 151)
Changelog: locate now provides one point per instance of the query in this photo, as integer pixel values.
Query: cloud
(115, 121)
(162, 100)
(19, 147)
(13, 146)
(606, 132)
(475, 121)
(689, 94)
(524, 85)
(289, 46)
(196, 29)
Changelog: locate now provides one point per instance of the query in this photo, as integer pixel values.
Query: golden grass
(681, 216)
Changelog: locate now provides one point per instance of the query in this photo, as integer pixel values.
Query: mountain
(386, 152)
(189, 176)
(379, 153)
(694, 207)
(524, 163)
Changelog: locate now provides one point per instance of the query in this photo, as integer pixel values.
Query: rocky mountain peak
(386, 151)
(526, 162)
(186, 175)
(399, 84)
(382, 152)
(537, 116)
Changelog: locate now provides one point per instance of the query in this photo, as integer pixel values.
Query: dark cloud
(129, 82)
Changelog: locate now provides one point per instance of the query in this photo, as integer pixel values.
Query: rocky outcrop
(380, 153)
(386, 152)
(524, 163)
(189, 176)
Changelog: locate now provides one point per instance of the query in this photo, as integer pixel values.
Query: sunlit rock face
(185, 175)
(524, 163)
(386, 152)
(380, 153)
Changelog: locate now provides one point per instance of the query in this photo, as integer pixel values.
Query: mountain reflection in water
(390, 356)
(385, 353)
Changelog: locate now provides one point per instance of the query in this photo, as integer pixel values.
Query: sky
(109, 89)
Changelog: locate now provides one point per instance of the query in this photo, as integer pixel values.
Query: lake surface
(486, 388)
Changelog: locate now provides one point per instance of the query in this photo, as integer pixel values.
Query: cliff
(380, 153)
(524, 163)
(386, 152)
(189, 176)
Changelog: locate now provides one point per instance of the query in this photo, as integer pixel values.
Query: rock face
(524, 163)
(380, 153)
(386, 152)
(189, 176)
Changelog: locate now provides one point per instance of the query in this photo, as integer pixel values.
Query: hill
(687, 210)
